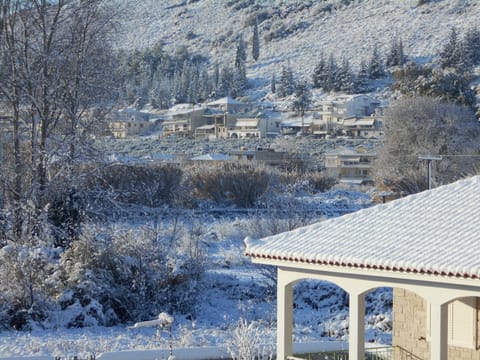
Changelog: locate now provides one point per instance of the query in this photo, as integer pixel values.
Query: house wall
(410, 328)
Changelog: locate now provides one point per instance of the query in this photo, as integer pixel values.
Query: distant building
(265, 156)
(128, 122)
(362, 127)
(334, 111)
(351, 166)
(228, 105)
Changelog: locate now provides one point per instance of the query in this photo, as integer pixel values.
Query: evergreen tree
(472, 45)
(376, 69)
(206, 85)
(161, 94)
(240, 75)
(319, 73)
(303, 98)
(193, 90)
(396, 56)
(330, 83)
(255, 42)
(345, 81)
(241, 54)
(454, 54)
(287, 83)
(225, 83)
(361, 80)
(273, 84)
(302, 101)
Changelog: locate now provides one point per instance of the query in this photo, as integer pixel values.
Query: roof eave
(356, 270)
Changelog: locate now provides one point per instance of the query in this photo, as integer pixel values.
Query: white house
(425, 244)
(334, 110)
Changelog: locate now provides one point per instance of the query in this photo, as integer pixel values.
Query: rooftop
(434, 232)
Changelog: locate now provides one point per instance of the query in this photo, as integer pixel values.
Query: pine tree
(302, 101)
(345, 76)
(287, 83)
(472, 45)
(255, 42)
(375, 68)
(303, 98)
(206, 85)
(225, 83)
(396, 56)
(453, 53)
(361, 80)
(330, 83)
(319, 73)
(193, 90)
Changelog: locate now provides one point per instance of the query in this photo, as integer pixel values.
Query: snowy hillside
(295, 31)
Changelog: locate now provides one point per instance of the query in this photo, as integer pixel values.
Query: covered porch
(426, 244)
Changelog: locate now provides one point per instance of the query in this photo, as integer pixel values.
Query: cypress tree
(240, 75)
(255, 42)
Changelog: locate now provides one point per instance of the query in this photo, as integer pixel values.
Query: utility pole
(429, 159)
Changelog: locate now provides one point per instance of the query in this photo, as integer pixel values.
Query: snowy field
(236, 296)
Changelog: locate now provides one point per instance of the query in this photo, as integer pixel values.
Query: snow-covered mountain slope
(295, 31)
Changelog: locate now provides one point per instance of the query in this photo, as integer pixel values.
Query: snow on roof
(226, 101)
(434, 232)
(212, 157)
(354, 121)
(346, 151)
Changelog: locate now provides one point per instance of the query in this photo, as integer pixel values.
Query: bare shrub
(149, 185)
(239, 183)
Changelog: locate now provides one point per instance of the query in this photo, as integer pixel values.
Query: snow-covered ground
(233, 290)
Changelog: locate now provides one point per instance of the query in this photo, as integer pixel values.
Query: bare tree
(55, 73)
(425, 126)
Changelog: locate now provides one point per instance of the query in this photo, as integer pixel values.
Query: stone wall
(410, 328)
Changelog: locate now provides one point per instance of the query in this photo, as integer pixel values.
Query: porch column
(439, 331)
(284, 318)
(356, 337)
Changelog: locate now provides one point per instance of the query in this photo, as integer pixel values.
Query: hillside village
(345, 117)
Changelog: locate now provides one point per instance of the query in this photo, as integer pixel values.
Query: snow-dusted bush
(248, 342)
(25, 293)
(120, 275)
(239, 183)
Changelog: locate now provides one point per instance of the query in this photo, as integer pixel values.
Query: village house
(262, 155)
(351, 165)
(254, 126)
(333, 111)
(424, 246)
(184, 119)
(228, 105)
(367, 127)
(128, 122)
